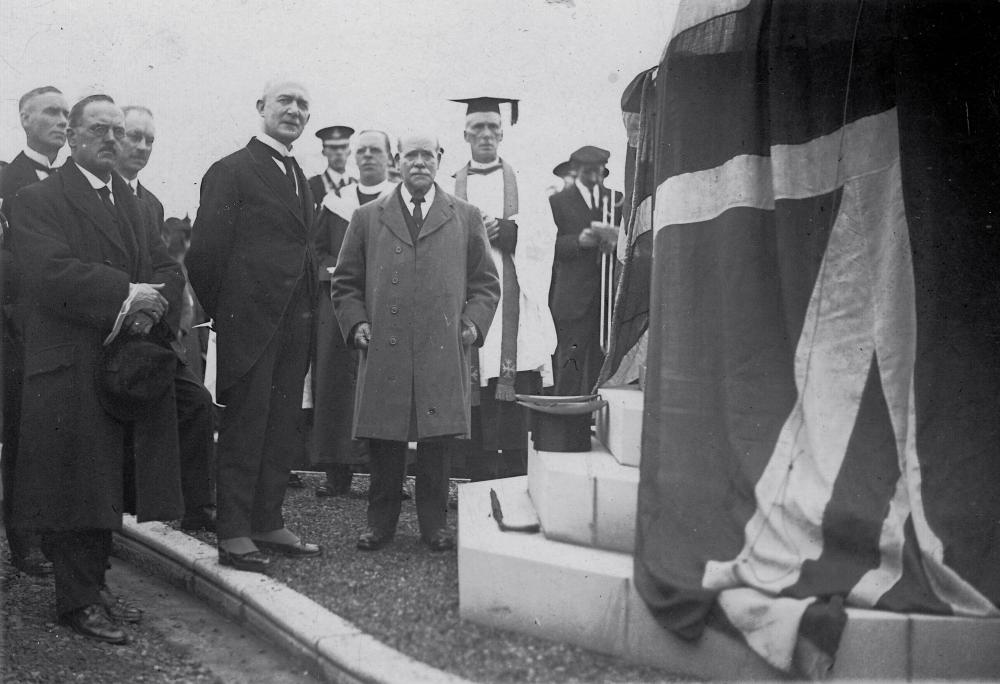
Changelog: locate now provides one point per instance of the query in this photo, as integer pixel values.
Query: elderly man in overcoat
(89, 260)
(414, 287)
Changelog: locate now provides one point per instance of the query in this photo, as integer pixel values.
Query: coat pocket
(50, 360)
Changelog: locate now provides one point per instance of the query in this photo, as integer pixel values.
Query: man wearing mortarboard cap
(516, 355)
(336, 149)
(581, 214)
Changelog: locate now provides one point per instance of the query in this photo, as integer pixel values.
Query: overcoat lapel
(276, 180)
(439, 214)
(391, 215)
(84, 198)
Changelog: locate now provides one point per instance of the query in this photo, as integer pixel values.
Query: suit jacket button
(393, 340)
(395, 280)
(394, 309)
(398, 249)
(431, 411)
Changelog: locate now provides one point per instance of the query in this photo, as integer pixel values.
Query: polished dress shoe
(372, 540)
(252, 561)
(202, 519)
(295, 481)
(441, 540)
(33, 563)
(120, 609)
(93, 622)
(299, 549)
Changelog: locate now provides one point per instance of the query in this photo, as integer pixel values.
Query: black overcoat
(75, 267)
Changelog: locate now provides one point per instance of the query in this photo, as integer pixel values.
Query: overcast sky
(388, 64)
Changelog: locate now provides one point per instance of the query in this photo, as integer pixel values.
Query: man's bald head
(284, 110)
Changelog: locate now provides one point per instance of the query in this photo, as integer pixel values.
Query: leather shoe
(34, 563)
(92, 622)
(441, 540)
(299, 549)
(295, 481)
(120, 609)
(372, 540)
(252, 561)
(202, 519)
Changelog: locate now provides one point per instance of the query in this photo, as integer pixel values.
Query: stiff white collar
(96, 183)
(279, 147)
(428, 198)
(37, 157)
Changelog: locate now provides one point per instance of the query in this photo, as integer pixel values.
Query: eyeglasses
(101, 131)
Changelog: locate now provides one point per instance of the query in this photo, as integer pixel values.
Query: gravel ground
(34, 649)
(407, 597)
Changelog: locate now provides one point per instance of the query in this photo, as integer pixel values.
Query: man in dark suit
(581, 214)
(415, 294)
(252, 265)
(194, 403)
(44, 115)
(91, 271)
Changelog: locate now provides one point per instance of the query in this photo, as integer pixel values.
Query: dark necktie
(41, 167)
(105, 192)
(418, 213)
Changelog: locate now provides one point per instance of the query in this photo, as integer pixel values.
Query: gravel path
(407, 597)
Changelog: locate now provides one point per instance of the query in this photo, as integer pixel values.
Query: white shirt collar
(428, 198)
(376, 189)
(279, 147)
(96, 183)
(37, 157)
(334, 176)
(588, 193)
(473, 164)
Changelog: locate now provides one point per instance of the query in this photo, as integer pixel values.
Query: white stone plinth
(619, 424)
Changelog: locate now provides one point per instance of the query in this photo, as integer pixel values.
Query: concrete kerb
(330, 645)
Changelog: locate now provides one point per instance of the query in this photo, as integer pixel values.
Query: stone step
(585, 596)
(586, 498)
(619, 424)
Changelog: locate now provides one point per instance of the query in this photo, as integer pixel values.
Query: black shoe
(252, 561)
(202, 519)
(441, 540)
(295, 481)
(93, 622)
(299, 549)
(336, 488)
(120, 609)
(33, 563)
(372, 540)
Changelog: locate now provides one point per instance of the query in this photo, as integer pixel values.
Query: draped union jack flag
(822, 403)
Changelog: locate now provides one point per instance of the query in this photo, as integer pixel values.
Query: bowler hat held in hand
(135, 372)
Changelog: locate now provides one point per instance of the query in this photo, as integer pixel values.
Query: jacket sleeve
(213, 234)
(482, 282)
(167, 271)
(87, 292)
(348, 281)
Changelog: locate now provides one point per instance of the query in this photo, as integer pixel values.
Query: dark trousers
(79, 561)
(195, 425)
(578, 358)
(13, 375)
(388, 468)
(261, 430)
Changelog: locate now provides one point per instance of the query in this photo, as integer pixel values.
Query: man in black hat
(336, 149)
(583, 214)
(516, 355)
(44, 115)
(252, 265)
(93, 271)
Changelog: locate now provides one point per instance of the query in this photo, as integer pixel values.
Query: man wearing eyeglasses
(90, 266)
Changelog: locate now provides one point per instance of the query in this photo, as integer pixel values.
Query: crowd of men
(394, 309)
